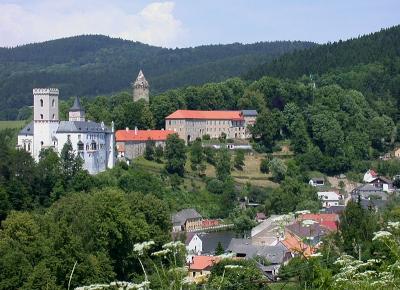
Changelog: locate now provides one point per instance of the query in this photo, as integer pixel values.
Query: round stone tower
(141, 88)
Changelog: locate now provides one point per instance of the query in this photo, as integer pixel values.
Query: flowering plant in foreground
(373, 273)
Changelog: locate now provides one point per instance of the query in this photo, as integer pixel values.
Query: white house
(94, 142)
(370, 175)
(194, 245)
(317, 182)
(329, 198)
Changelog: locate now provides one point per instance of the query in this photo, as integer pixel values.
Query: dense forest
(378, 47)
(90, 65)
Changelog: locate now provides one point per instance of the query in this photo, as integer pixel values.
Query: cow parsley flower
(381, 235)
(139, 248)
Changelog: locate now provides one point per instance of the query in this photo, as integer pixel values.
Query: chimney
(127, 129)
(136, 130)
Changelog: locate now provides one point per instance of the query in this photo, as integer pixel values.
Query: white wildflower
(381, 235)
(173, 245)
(141, 247)
(302, 212)
(161, 253)
(394, 225)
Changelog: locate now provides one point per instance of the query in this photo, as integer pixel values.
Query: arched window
(29, 147)
(54, 116)
(41, 116)
(41, 102)
(41, 143)
(53, 103)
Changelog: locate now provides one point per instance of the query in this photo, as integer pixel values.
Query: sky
(184, 23)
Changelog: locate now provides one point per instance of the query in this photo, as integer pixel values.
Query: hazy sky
(181, 23)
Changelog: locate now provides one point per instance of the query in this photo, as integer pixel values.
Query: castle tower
(45, 119)
(141, 88)
(76, 112)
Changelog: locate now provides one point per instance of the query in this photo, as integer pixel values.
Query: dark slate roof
(27, 130)
(81, 127)
(274, 254)
(373, 203)
(305, 231)
(210, 240)
(182, 216)
(249, 113)
(338, 209)
(76, 106)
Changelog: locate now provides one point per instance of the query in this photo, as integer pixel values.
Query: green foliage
(223, 164)
(219, 250)
(175, 155)
(149, 150)
(197, 157)
(236, 274)
(278, 169)
(264, 166)
(238, 161)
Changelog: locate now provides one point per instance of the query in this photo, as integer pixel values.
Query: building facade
(132, 143)
(141, 88)
(94, 142)
(192, 124)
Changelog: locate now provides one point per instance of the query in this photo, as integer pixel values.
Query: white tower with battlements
(45, 119)
(141, 88)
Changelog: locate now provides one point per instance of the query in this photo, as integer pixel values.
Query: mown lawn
(11, 124)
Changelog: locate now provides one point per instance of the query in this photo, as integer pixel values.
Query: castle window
(80, 146)
(41, 143)
(29, 147)
(53, 102)
(41, 116)
(41, 102)
(54, 116)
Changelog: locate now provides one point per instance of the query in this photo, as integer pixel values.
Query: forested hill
(375, 47)
(90, 65)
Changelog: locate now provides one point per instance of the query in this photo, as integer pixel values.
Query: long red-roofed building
(132, 143)
(192, 124)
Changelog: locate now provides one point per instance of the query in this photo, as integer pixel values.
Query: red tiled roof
(203, 262)
(142, 135)
(320, 217)
(210, 115)
(296, 246)
(330, 225)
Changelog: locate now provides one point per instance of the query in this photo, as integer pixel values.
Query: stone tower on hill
(140, 88)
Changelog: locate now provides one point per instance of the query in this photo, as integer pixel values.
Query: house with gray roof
(92, 141)
(186, 220)
(269, 258)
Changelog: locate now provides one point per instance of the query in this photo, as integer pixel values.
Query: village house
(132, 143)
(396, 153)
(200, 267)
(382, 183)
(93, 142)
(193, 124)
(370, 175)
(186, 220)
(274, 256)
(194, 245)
(270, 231)
(329, 198)
(304, 236)
(317, 182)
(329, 221)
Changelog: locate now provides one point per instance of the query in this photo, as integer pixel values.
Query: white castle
(94, 142)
